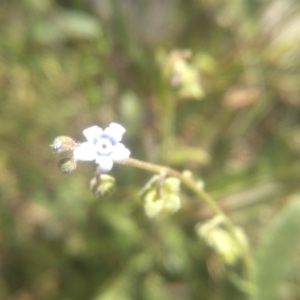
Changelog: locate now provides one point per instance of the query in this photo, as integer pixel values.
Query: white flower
(103, 146)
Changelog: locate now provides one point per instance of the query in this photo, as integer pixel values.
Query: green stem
(191, 185)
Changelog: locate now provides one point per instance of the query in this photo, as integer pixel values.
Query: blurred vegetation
(211, 86)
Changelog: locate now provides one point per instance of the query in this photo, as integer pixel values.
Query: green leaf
(275, 254)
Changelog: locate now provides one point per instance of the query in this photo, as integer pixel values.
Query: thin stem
(191, 185)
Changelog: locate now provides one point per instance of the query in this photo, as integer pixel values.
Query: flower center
(104, 146)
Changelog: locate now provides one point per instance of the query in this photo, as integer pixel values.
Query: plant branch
(203, 195)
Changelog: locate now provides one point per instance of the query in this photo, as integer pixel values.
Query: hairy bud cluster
(63, 147)
(161, 196)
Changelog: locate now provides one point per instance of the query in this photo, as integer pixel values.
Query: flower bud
(161, 199)
(102, 185)
(171, 204)
(67, 165)
(225, 245)
(152, 205)
(171, 185)
(183, 76)
(63, 146)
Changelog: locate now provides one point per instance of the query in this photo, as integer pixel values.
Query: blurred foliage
(279, 241)
(210, 86)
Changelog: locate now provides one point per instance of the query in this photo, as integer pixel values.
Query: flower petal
(85, 151)
(120, 153)
(115, 131)
(105, 163)
(92, 133)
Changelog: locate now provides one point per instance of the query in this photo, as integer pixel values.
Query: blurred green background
(226, 108)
